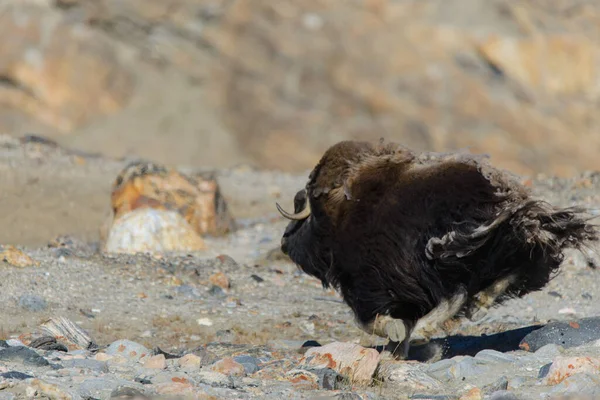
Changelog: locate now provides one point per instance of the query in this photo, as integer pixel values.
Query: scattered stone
(127, 393)
(407, 376)
(204, 322)
(103, 388)
(217, 292)
(214, 378)
(219, 279)
(303, 379)
(128, 349)
(563, 367)
(190, 362)
(48, 343)
(348, 359)
(174, 388)
(503, 395)
(32, 302)
(156, 362)
(17, 258)
(90, 364)
(583, 383)
(493, 357)
(550, 351)
(148, 230)
(457, 368)
(566, 334)
(228, 366)
(250, 364)
(500, 384)
(157, 350)
(23, 355)
(67, 332)
(473, 394)
(42, 389)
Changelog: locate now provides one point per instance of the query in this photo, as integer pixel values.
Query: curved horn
(298, 216)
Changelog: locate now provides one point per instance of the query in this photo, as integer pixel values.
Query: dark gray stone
(94, 365)
(544, 370)
(100, 388)
(251, 364)
(32, 302)
(500, 384)
(563, 333)
(15, 375)
(125, 392)
(48, 343)
(189, 292)
(328, 378)
(503, 395)
(23, 355)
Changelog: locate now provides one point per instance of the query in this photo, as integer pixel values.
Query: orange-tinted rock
(156, 362)
(228, 366)
(219, 279)
(348, 359)
(17, 258)
(563, 367)
(473, 394)
(196, 198)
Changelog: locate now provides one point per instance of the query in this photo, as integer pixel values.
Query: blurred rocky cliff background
(274, 83)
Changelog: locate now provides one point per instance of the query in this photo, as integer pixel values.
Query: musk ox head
(320, 207)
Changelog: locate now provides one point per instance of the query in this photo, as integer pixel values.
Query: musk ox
(411, 240)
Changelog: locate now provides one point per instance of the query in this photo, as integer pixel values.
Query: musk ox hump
(344, 164)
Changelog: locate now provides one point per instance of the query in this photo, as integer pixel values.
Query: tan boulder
(196, 198)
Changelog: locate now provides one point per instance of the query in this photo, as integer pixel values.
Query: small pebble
(32, 302)
(190, 362)
(128, 349)
(228, 366)
(156, 362)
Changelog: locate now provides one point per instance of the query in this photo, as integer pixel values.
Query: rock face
(57, 71)
(279, 82)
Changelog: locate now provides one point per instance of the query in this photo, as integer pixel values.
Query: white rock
(148, 230)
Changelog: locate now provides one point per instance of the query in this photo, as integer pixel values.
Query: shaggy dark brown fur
(398, 234)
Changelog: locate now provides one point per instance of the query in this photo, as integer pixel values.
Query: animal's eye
(299, 201)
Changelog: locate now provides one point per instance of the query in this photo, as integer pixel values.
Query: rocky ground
(239, 320)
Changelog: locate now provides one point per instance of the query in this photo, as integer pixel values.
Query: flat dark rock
(565, 333)
(15, 375)
(24, 355)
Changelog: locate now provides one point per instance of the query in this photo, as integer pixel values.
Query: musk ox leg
(386, 327)
(396, 346)
(446, 309)
(487, 297)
